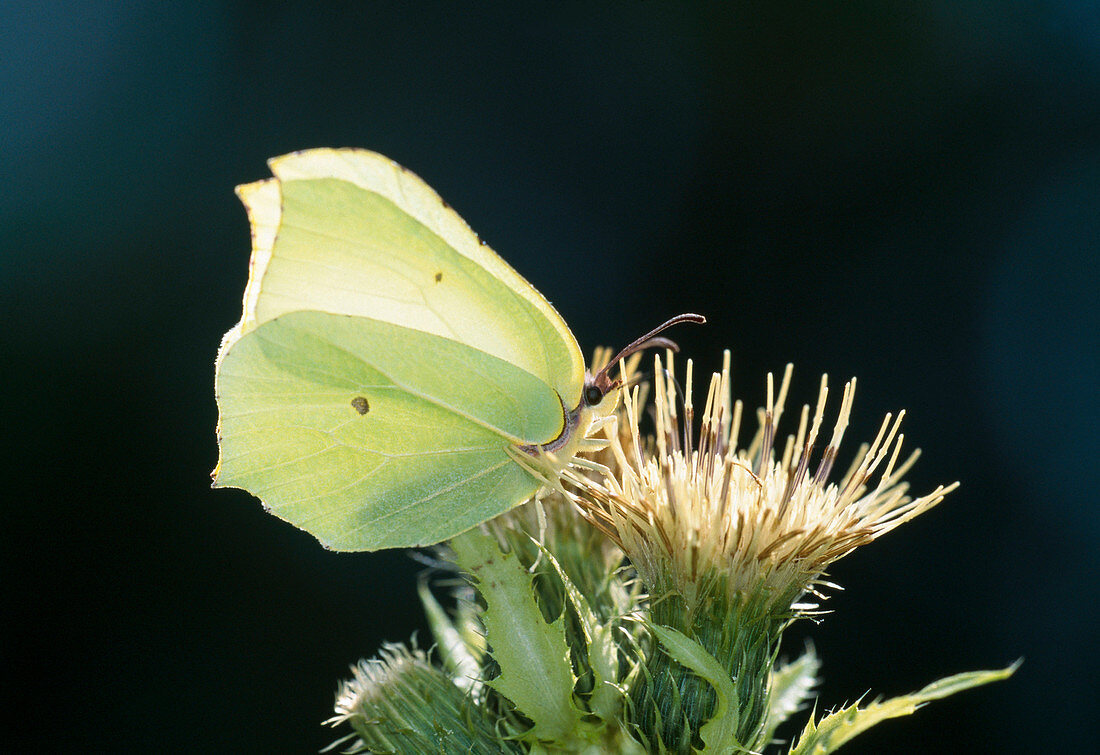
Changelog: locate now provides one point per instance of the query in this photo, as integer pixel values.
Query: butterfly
(392, 381)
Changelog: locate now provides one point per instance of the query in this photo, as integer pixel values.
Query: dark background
(909, 193)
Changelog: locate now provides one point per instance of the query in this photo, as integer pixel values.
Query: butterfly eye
(592, 395)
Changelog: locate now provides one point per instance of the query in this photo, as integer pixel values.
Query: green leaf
(840, 726)
(535, 670)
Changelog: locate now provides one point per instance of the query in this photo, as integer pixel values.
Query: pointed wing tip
(261, 199)
(220, 480)
(246, 190)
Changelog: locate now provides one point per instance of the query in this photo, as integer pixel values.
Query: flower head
(402, 702)
(693, 512)
(728, 539)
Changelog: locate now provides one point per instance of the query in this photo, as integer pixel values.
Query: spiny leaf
(535, 671)
(836, 728)
(603, 656)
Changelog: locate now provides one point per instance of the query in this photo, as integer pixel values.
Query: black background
(909, 193)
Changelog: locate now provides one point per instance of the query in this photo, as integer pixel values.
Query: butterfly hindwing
(372, 435)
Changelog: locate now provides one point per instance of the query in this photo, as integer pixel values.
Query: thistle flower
(662, 636)
(400, 702)
(728, 540)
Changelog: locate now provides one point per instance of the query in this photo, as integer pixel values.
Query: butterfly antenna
(604, 382)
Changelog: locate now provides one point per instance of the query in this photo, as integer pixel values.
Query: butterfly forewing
(359, 235)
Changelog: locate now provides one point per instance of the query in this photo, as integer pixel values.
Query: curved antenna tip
(646, 341)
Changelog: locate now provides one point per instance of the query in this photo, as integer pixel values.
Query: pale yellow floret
(679, 504)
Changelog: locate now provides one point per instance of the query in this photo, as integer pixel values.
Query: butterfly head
(601, 385)
(599, 397)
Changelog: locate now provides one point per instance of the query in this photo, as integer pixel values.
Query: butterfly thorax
(579, 423)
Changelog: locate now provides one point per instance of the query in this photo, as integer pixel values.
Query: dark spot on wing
(360, 404)
(438, 277)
